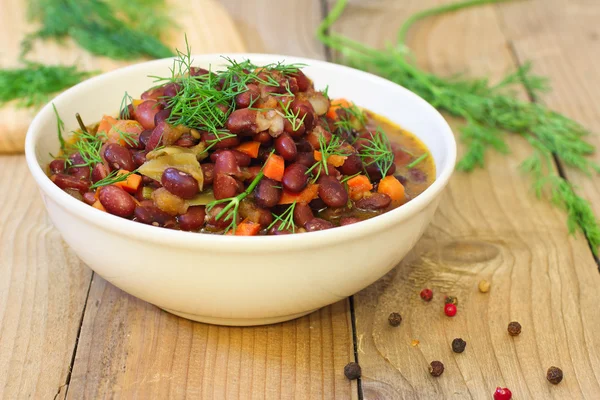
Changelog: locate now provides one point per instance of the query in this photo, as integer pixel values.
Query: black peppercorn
(514, 328)
(554, 375)
(458, 345)
(352, 371)
(395, 319)
(451, 300)
(436, 368)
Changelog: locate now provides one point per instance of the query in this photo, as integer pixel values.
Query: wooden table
(65, 332)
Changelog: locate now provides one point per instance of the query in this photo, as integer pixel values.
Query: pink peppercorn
(450, 310)
(426, 294)
(502, 394)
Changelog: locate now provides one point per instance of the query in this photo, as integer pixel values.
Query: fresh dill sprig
(34, 83)
(417, 161)
(60, 127)
(349, 118)
(333, 148)
(124, 108)
(111, 179)
(377, 150)
(489, 110)
(231, 211)
(286, 219)
(99, 28)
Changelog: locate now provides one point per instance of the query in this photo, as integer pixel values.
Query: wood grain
(489, 226)
(131, 349)
(42, 292)
(207, 25)
(562, 39)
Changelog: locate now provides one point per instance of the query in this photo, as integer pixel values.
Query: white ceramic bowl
(233, 280)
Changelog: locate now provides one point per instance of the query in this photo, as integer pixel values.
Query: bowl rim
(237, 243)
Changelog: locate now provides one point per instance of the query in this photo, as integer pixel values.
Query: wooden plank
(489, 226)
(130, 349)
(208, 28)
(42, 292)
(562, 40)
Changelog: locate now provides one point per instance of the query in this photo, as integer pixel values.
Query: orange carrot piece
(131, 184)
(392, 187)
(249, 148)
(274, 167)
(311, 192)
(358, 185)
(99, 206)
(334, 159)
(335, 104)
(106, 123)
(247, 228)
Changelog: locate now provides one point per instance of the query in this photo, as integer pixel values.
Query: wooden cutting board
(208, 26)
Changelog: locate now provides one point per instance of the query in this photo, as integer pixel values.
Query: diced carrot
(357, 186)
(392, 187)
(106, 123)
(335, 104)
(311, 192)
(99, 206)
(250, 148)
(247, 228)
(274, 167)
(131, 184)
(333, 159)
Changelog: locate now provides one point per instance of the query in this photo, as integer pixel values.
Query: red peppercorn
(426, 294)
(450, 310)
(502, 394)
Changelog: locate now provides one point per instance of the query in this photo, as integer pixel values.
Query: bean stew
(246, 150)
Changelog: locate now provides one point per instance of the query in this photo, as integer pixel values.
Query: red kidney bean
(348, 220)
(89, 198)
(289, 128)
(416, 175)
(401, 178)
(221, 144)
(295, 178)
(208, 170)
(179, 183)
(302, 81)
(267, 193)
(225, 186)
(171, 89)
(117, 201)
(227, 163)
(242, 159)
(118, 157)
(317, 224)
(263, 137)
(144, 137)
(306, 159)
(352, 165)
(221, 223)
(285, 147)
(57, 166)
(148, 213)
(250, 211)
(127, 113)
(249, 173)
(197, 71)
(99, 172)
(82, 172)
(154, 93)
(317, 204)
(156, 137)
(375, 201)
(242, 122)
(332, 192)
(64, 181)
(161, 116)
(193, 219)
(264, 153)
(139, 157)
(186, 140)
(304, 146)
(276, 231)
(146, 112)
(305, 110)
(302, 214)
(293, 84)
(315, 134)
(244, 99)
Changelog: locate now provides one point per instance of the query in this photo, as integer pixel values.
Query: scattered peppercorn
(451, 300)
(484, 286)
(554, 375)
(458, 345)
(436, 368)
(514, 328)
(352, 371)
(450, 310)
(426, 294)
(502, 394)
(415, 342)
(395, 319)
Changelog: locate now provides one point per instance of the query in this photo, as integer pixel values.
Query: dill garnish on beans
(245, 150)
